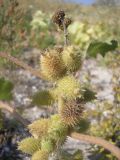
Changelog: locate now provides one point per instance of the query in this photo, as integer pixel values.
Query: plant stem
(91, 139)
(65, 34)
(21, 64)
(15, 114)
(99, 141)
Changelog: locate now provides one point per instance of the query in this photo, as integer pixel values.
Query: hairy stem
(91, 139)
(21, 64)
(65, 34)
(99, 141)
(15, 114)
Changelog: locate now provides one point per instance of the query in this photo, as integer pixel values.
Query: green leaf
(82, 126)
(5, 89)
(101, 47)
(89, 95)
(43, 98)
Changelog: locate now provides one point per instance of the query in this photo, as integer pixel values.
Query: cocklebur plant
(48, 135)
(57, 67)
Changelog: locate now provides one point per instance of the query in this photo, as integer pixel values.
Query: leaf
(101, 47)
(89, 95)
(5, 89)
(82, 126)
(43, 98)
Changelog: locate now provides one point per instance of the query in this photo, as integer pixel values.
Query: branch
(99, 141)
(21, 64)
(15, 114)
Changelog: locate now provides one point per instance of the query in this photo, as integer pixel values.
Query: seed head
(52, 66)
(71, 111)
(29, 145)
(58, 17)
(57, 130)
(39, 128)
(68, 87)
(47, 145)
(67, 22)
(59, 49)
(40, 155)
(72, 57)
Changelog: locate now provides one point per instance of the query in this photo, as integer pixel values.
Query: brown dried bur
(58, 17)
(67, 22)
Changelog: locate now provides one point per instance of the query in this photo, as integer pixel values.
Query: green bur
(29, 145)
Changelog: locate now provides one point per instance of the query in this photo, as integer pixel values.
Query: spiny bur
(57, 130)
(47, 145)
(72, 57)
(39, 128)
(67, 22)
(71, 111)
(52, 66)
(59, 48)
(69, 87)
(58, 17)
(40, 155)
(29, 145)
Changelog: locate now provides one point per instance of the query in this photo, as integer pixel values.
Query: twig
(15, 114)
(99, 141)
(21, 64)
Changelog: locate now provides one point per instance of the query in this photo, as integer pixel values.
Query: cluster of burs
(59, 66)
